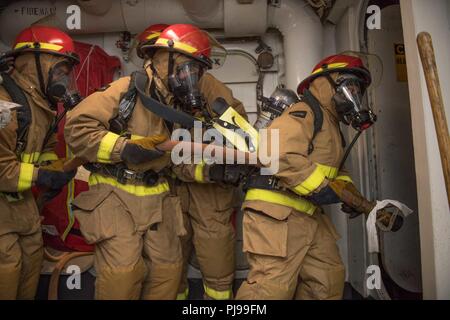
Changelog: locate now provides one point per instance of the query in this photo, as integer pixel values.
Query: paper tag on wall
(400, 62)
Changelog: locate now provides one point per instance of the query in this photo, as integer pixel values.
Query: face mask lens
(190, 73)
(61, 75)
(351, 90)
(349, 103)
(62, 85)
(185, 84)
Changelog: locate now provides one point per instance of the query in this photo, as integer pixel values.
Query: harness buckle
(129, 175)
(273, 183)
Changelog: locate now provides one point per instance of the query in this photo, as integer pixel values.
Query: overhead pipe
(297, 22)
(202, 11)
(95, 7)
(302, 38)
(100, 16)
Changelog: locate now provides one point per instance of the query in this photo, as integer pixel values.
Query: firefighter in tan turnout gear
(290, 244)
(207, 203)
(128, 212)
(41, 77)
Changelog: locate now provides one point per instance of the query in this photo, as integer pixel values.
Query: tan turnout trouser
(295, 258)
(207, 217)
(21, 248)
(137, 244)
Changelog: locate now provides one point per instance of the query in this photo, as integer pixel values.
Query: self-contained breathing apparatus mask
(348, 101)
(62, 86)
(184, 84)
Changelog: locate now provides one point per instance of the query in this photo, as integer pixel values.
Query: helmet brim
(150, 49)
(360, 72)
(73, 57)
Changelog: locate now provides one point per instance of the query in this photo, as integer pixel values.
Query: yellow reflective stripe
(25, 176)
(329, 172)
(48, 156)
(137, 190)
(153, 35)
(311, 183)
(218, 295)
(183, 295)
(176, 45)
(345, 178)
(69, 198)
(30, 157)
(315, 179)
(43, 45)
(106, 147)
(198, 175)
(331, 66)
(298, 204)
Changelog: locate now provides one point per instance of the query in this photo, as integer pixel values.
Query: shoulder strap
(126, 106)
(316, 108)
(165, 112)
(23, 114)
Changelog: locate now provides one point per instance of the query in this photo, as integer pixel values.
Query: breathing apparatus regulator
(274, 106)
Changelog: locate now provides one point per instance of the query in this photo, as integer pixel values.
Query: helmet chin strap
(331, 81)
(37, 59)
(170, 65)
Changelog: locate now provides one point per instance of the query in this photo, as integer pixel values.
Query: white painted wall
(434, 215)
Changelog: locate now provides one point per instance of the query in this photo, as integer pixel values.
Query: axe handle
(73, 164)
(168, 146)
(427, 56)
(197, 147)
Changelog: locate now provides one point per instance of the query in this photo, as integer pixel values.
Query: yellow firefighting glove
(355, 202)
(142, 150)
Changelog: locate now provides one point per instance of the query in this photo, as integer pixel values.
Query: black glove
(228, 173)
(324, 197)
(142, 150)
(54, 180)
(350, 211)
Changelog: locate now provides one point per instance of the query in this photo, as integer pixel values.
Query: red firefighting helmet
(148, 37)
(337, 63)
(188, 40)
(46, 40)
